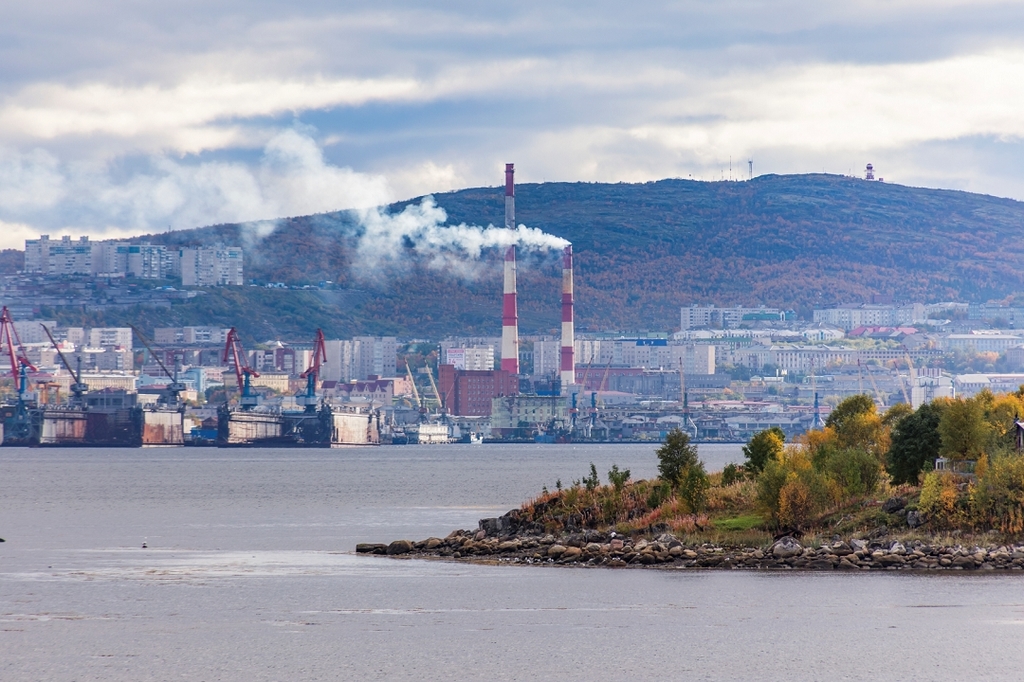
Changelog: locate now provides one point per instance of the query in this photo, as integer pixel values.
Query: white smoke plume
(388, 240)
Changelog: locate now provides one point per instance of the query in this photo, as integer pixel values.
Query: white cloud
(291, 178)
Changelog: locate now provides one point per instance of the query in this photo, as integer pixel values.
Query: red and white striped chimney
(509, 311)
(568, 357)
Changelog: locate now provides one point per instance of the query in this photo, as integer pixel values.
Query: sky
(124, 117)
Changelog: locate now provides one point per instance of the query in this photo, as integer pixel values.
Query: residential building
(982, 342)
(705, 316)
(849, 317)
(474, 359)
(210, 266)
(374, 355)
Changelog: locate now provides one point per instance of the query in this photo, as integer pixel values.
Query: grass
(745, 522)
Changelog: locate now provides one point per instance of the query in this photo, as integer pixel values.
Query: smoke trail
(388, 240)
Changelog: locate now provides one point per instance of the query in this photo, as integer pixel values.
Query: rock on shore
(497, 541)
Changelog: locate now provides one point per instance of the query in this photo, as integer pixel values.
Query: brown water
(249, 575)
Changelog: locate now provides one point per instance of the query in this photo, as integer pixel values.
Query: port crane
(312, 373)
(78, 389)
(172, 392)
(21, 425)
(234, 351)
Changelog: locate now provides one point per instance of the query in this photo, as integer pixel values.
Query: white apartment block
(106, 337)
(870, 315)
(82, 257)
(374, 355)
(191, 335)
(547, 358)
(471, 358)
(210, 266)
(982, 342)
(338, 366)
(704, 316)
(648, 353)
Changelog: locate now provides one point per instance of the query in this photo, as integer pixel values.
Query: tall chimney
(568, 357)
(509, 312)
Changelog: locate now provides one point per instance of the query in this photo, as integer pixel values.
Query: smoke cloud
(389, 242)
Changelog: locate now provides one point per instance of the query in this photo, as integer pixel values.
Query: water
(249, 575)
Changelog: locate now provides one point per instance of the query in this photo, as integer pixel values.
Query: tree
(963, 429)
(675, 457)
(763, 447)
(858, 426)
(915, 442)
(848, 409)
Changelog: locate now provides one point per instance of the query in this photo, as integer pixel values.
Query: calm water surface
(249, 575)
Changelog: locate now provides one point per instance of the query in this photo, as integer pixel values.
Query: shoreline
(598, 549)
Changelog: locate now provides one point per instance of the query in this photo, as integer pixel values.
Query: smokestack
(568, 359)
(509, 311)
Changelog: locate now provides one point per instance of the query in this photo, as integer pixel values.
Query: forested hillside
(642, 250)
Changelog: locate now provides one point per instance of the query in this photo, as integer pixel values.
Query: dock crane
(172, 392)
(234, 351)
(312, 373)
(415, 393)
(433, 385)
(78, 389)
(874, 386)
(21, 426)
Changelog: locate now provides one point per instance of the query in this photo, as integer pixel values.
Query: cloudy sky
(118, 117)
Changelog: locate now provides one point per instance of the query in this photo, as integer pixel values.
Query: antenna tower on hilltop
(750, 165)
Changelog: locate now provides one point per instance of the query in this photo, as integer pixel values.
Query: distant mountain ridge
(643, 250)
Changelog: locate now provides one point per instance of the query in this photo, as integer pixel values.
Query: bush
(941, 500)
(731, 474)
(1000, 494)
(618, 478)
(854, 472)
(694, 488)
(791, 492)
(592, 481)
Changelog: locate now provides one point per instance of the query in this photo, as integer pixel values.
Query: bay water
(249, 574)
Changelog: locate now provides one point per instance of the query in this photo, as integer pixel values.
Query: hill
(642, 250)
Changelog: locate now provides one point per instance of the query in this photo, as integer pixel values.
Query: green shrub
(618, 478)
(592, 481)
(731, 474)
(854, 472)
(694, 488)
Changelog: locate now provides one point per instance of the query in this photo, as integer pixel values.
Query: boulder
(432, 543)
(893, 505)
(399, 547)
(571, 553)
(555, 551)
(914, 519)
(786, 547)
(371, 548)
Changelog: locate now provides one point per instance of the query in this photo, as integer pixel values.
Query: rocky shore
(594, 548)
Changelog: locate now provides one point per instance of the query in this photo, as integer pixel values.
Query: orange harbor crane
(234, 351)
